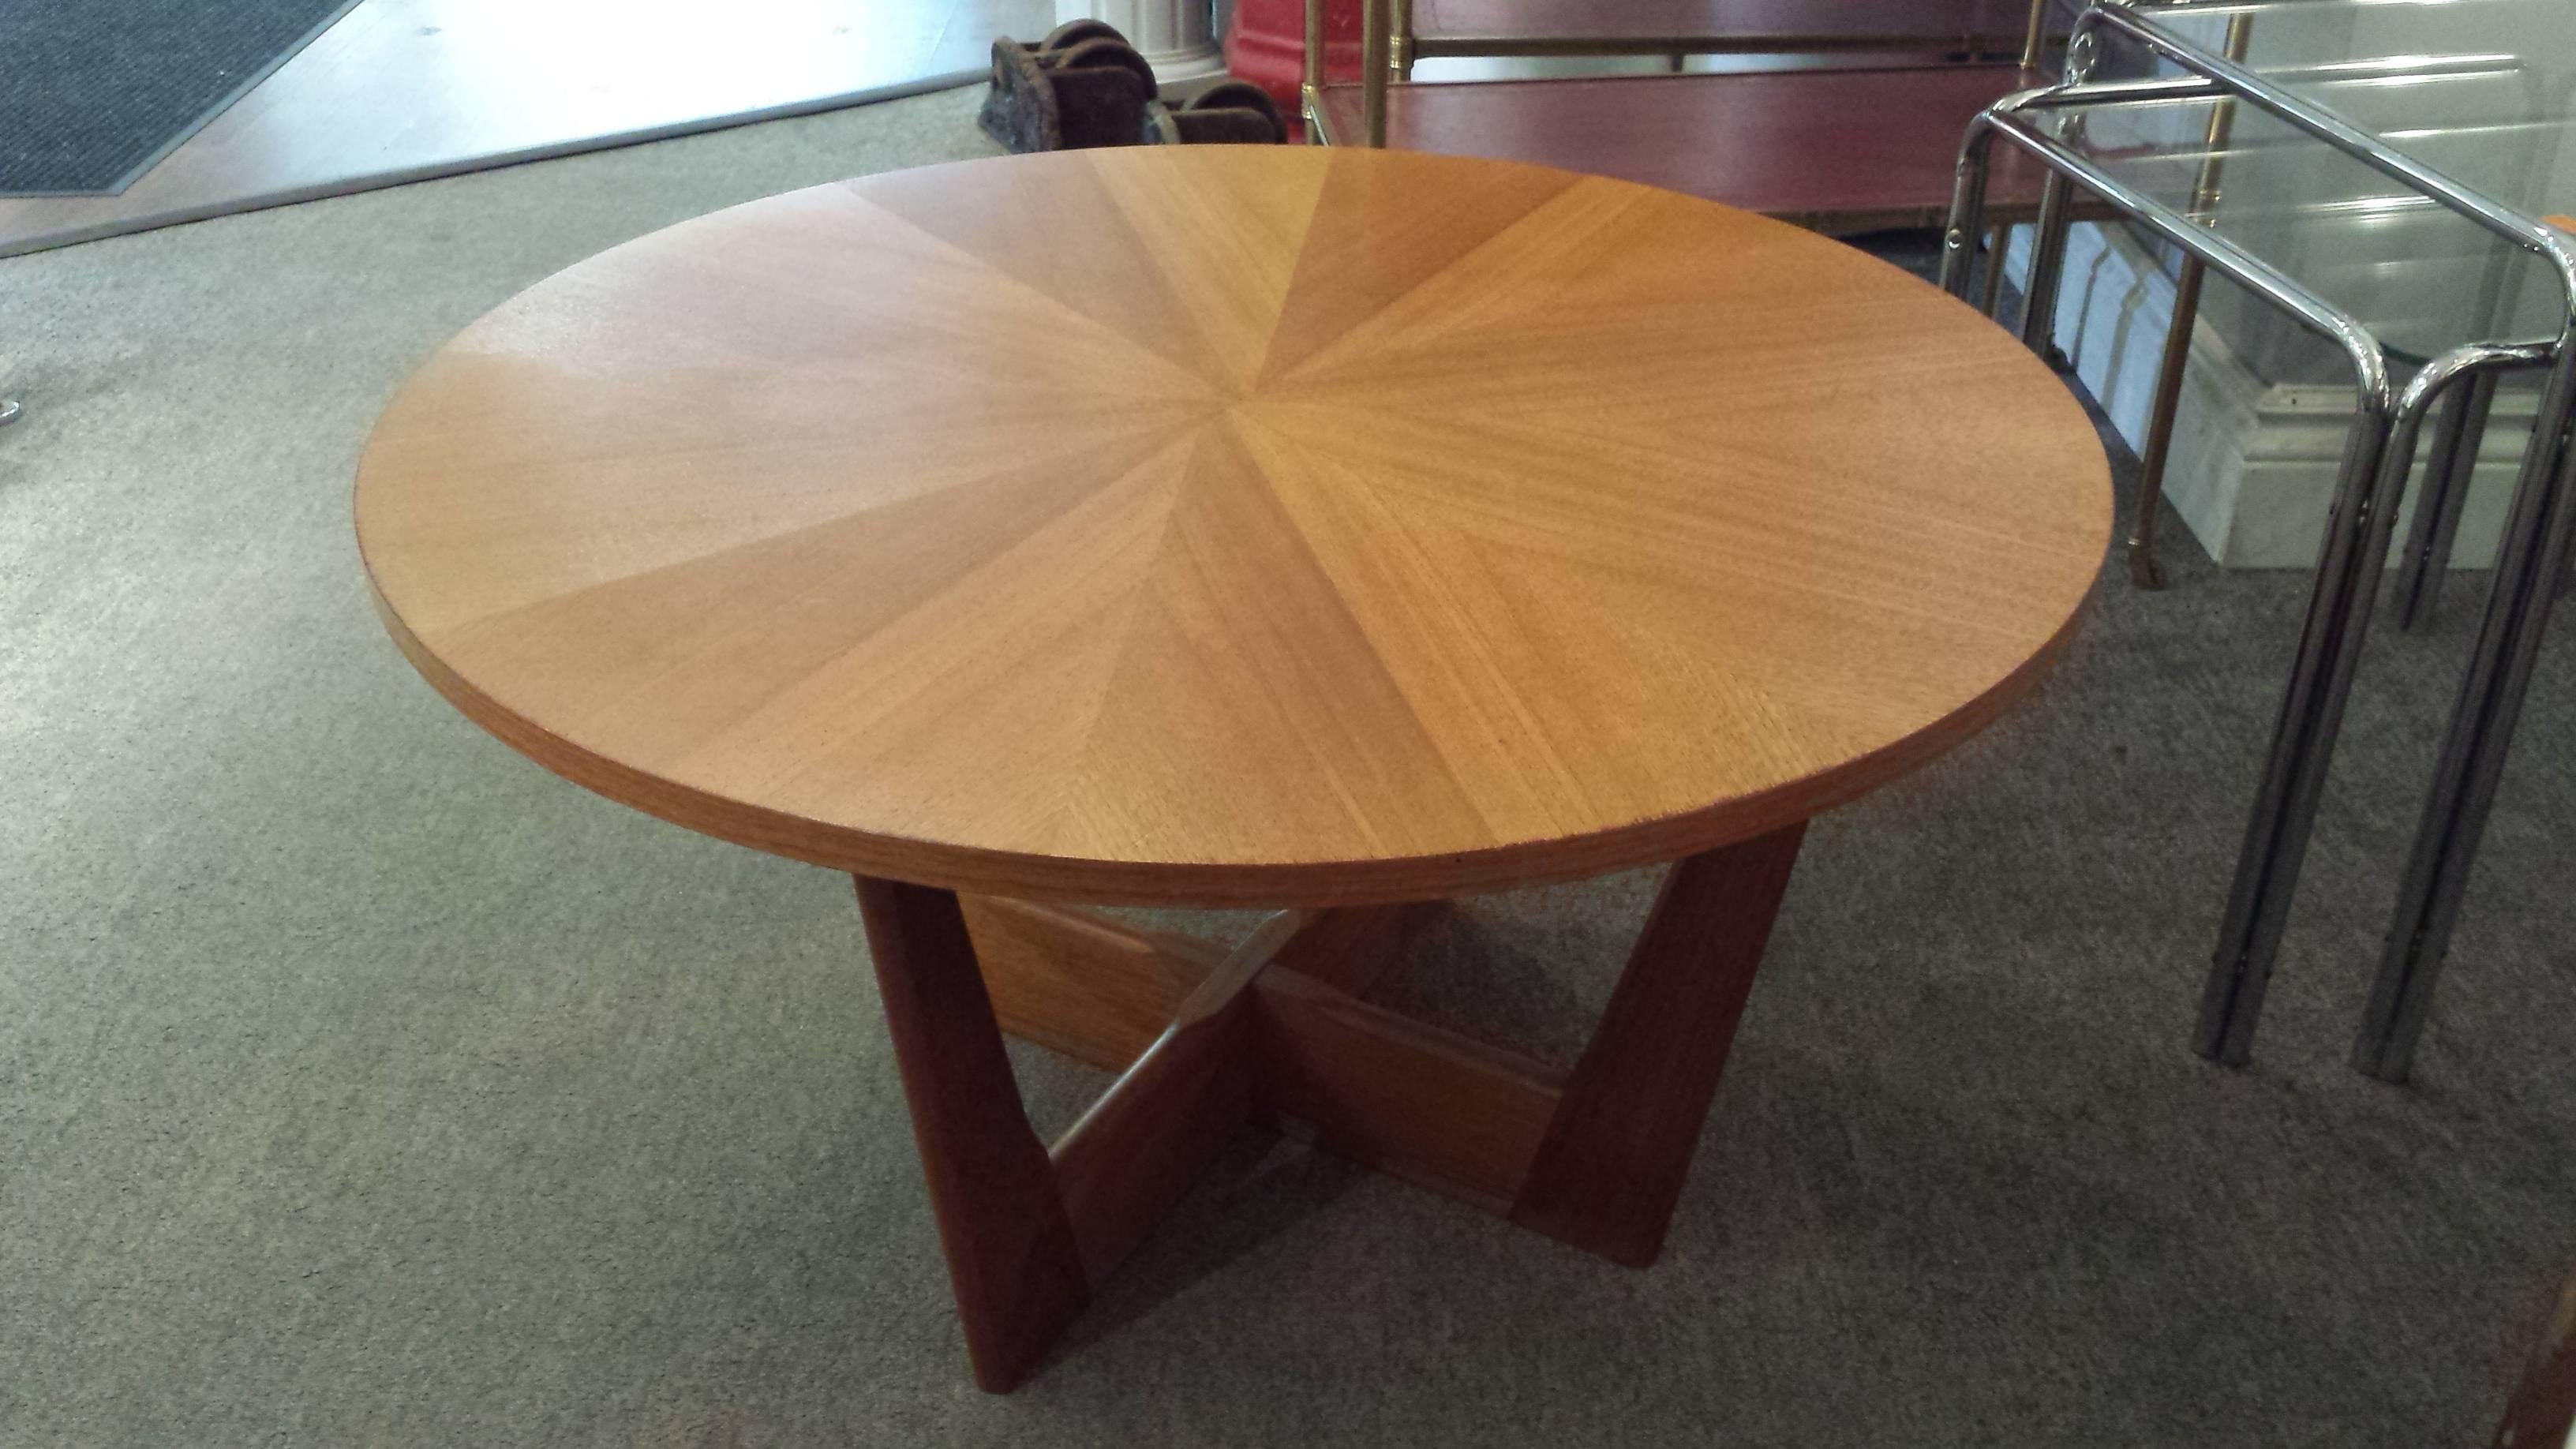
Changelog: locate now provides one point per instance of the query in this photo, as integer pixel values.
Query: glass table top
(2482, 91)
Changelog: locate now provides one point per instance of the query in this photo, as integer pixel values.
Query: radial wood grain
(1234, 526)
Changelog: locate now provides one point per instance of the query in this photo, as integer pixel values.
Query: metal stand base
(2540, 533)
(2532, 564)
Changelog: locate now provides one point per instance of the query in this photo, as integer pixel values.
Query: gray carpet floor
(362, 1084)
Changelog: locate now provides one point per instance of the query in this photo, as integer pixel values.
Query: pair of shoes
(1229, 113)
(1084, 85)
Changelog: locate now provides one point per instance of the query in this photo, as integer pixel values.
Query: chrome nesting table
(2295, 90)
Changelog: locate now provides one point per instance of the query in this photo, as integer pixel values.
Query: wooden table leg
(2542, 1413)
(1028, 1231)
(1612, 1165)
(1276, 1029)
(1141, 1147)
(1011, 1250)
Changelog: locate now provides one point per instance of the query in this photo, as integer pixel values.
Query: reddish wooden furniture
(1838, 151)
(1266, 42)
(1964, 28)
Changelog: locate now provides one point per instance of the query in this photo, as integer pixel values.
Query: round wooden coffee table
(1334, 531)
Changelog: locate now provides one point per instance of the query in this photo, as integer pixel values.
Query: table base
(1279, 1033)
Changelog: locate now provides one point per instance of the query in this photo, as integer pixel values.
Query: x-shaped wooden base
(1278, 1031)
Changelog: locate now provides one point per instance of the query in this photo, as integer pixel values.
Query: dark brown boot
(1235, 113)
(1084, 85)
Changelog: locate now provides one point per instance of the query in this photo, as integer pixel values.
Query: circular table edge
(1219, 885)
(1224, 885)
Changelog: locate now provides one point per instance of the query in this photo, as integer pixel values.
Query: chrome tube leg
(2047, 263)
(2529, 562)
(2285, 802)
(2426, 558)
(1967, 208)
(2144, 571)
(8, 411)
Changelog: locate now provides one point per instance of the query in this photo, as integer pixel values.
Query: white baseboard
(2253, 463)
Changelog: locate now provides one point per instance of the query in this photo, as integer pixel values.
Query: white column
(1177, 36)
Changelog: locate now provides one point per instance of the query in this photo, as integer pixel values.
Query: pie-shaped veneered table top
(1232, 525)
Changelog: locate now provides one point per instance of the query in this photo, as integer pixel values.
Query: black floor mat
(92, 92)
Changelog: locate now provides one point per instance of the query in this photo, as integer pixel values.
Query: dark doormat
(92, 92)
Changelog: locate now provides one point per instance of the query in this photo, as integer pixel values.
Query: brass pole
(2144, 571)
(1374, 68)
(2222, 122)
(1311, 93)
(1998, 237)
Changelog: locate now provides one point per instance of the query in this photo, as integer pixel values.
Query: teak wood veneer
(1328, 531)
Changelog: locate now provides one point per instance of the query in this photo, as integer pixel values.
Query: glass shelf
(2418, 275)
(2482, 92)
